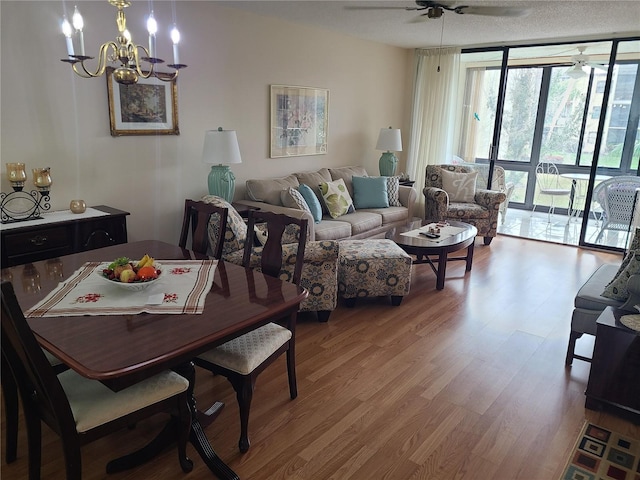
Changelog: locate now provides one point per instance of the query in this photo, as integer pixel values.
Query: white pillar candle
(66, 30)
(152, 28)
(78, 24)
(175, 38)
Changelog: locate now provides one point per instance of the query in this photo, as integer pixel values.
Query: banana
(143, 261)
(149, 262)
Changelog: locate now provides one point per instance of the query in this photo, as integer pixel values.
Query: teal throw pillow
(312, 202)
(370, 192)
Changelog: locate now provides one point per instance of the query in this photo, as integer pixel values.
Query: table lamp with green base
(220, 150)
(391, 141)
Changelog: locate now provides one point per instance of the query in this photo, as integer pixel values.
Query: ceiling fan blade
(354, 7)
(493, 11)
(423, 17)
(599, 66)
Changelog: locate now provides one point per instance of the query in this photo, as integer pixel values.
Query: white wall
(51, 117)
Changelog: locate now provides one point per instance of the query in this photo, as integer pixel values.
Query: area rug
(600, 454)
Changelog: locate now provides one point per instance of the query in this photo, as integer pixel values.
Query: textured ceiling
(546, 21)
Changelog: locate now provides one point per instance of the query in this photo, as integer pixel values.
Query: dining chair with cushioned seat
(197, 216)
(319, 271)
(242, 359)
(80, 410)
(11, 408)
(548, 183)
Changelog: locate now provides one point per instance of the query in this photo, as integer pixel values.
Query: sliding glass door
(617, 144)
(565, 104)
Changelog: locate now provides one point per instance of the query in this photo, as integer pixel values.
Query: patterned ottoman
(373, 268)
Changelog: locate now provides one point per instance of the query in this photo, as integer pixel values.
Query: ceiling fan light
(577, 71)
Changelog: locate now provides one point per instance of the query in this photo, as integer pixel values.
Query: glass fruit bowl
(136, 285)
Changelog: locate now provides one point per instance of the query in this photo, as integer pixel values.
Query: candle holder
(19, 206)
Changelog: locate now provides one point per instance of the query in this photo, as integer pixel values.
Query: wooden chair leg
(244, 385)
(291, 370)
(72, 460)
(573, 336)
(11, 412)
(34, 441)
(183, 425)
(323, 315)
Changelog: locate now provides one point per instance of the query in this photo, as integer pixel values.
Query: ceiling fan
(580, 61)
(437, 9)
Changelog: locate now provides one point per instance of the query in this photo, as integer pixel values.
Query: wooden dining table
(120, 350)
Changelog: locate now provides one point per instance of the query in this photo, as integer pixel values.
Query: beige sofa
(362, 223)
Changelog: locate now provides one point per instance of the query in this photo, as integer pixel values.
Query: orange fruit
(147, 273)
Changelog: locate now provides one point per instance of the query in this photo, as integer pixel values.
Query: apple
(127, 276)
(121, 268)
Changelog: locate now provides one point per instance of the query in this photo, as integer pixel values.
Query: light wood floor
(466, 383)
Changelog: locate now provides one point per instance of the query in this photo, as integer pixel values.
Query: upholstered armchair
(450, 193)
(498, 182)
(319, 271)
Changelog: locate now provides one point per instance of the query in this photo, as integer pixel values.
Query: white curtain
(435, 95)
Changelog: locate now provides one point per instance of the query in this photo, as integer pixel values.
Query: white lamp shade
(389, 140)
(221, 147)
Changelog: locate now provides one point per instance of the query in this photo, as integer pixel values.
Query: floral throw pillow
(617, 289)
(336, 197)
(236, 232)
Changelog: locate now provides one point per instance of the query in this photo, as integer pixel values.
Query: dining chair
(11, 407)
(242, 359)
(80, 410)
(548, 182)
(197, 216)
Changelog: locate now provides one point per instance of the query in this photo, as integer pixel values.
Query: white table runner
(180, 289)
(54, 217)
(445, 232)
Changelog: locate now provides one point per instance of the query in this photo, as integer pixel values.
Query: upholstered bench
(373, 268)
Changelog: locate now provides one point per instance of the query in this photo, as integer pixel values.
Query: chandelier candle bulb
(78, 24)
(67, 31)
(152, 28)
(175, 38)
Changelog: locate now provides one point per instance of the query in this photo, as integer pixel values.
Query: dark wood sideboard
(614, 379)
(47, 239)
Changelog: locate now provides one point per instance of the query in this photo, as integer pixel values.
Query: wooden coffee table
(424, 248)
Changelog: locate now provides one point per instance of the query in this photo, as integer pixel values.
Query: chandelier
(121, 50)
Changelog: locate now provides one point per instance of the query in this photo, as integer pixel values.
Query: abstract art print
(299, 121)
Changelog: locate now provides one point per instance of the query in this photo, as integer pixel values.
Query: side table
(614, 380)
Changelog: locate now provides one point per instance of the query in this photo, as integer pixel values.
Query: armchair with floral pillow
(451, 194)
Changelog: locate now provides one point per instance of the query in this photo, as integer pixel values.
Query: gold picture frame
(149, 107)
(299, 121)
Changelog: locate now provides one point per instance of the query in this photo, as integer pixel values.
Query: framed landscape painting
(299, 121)
(149, 107)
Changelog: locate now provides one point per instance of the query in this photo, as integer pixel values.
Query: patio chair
(616, 197)
(548, 182)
